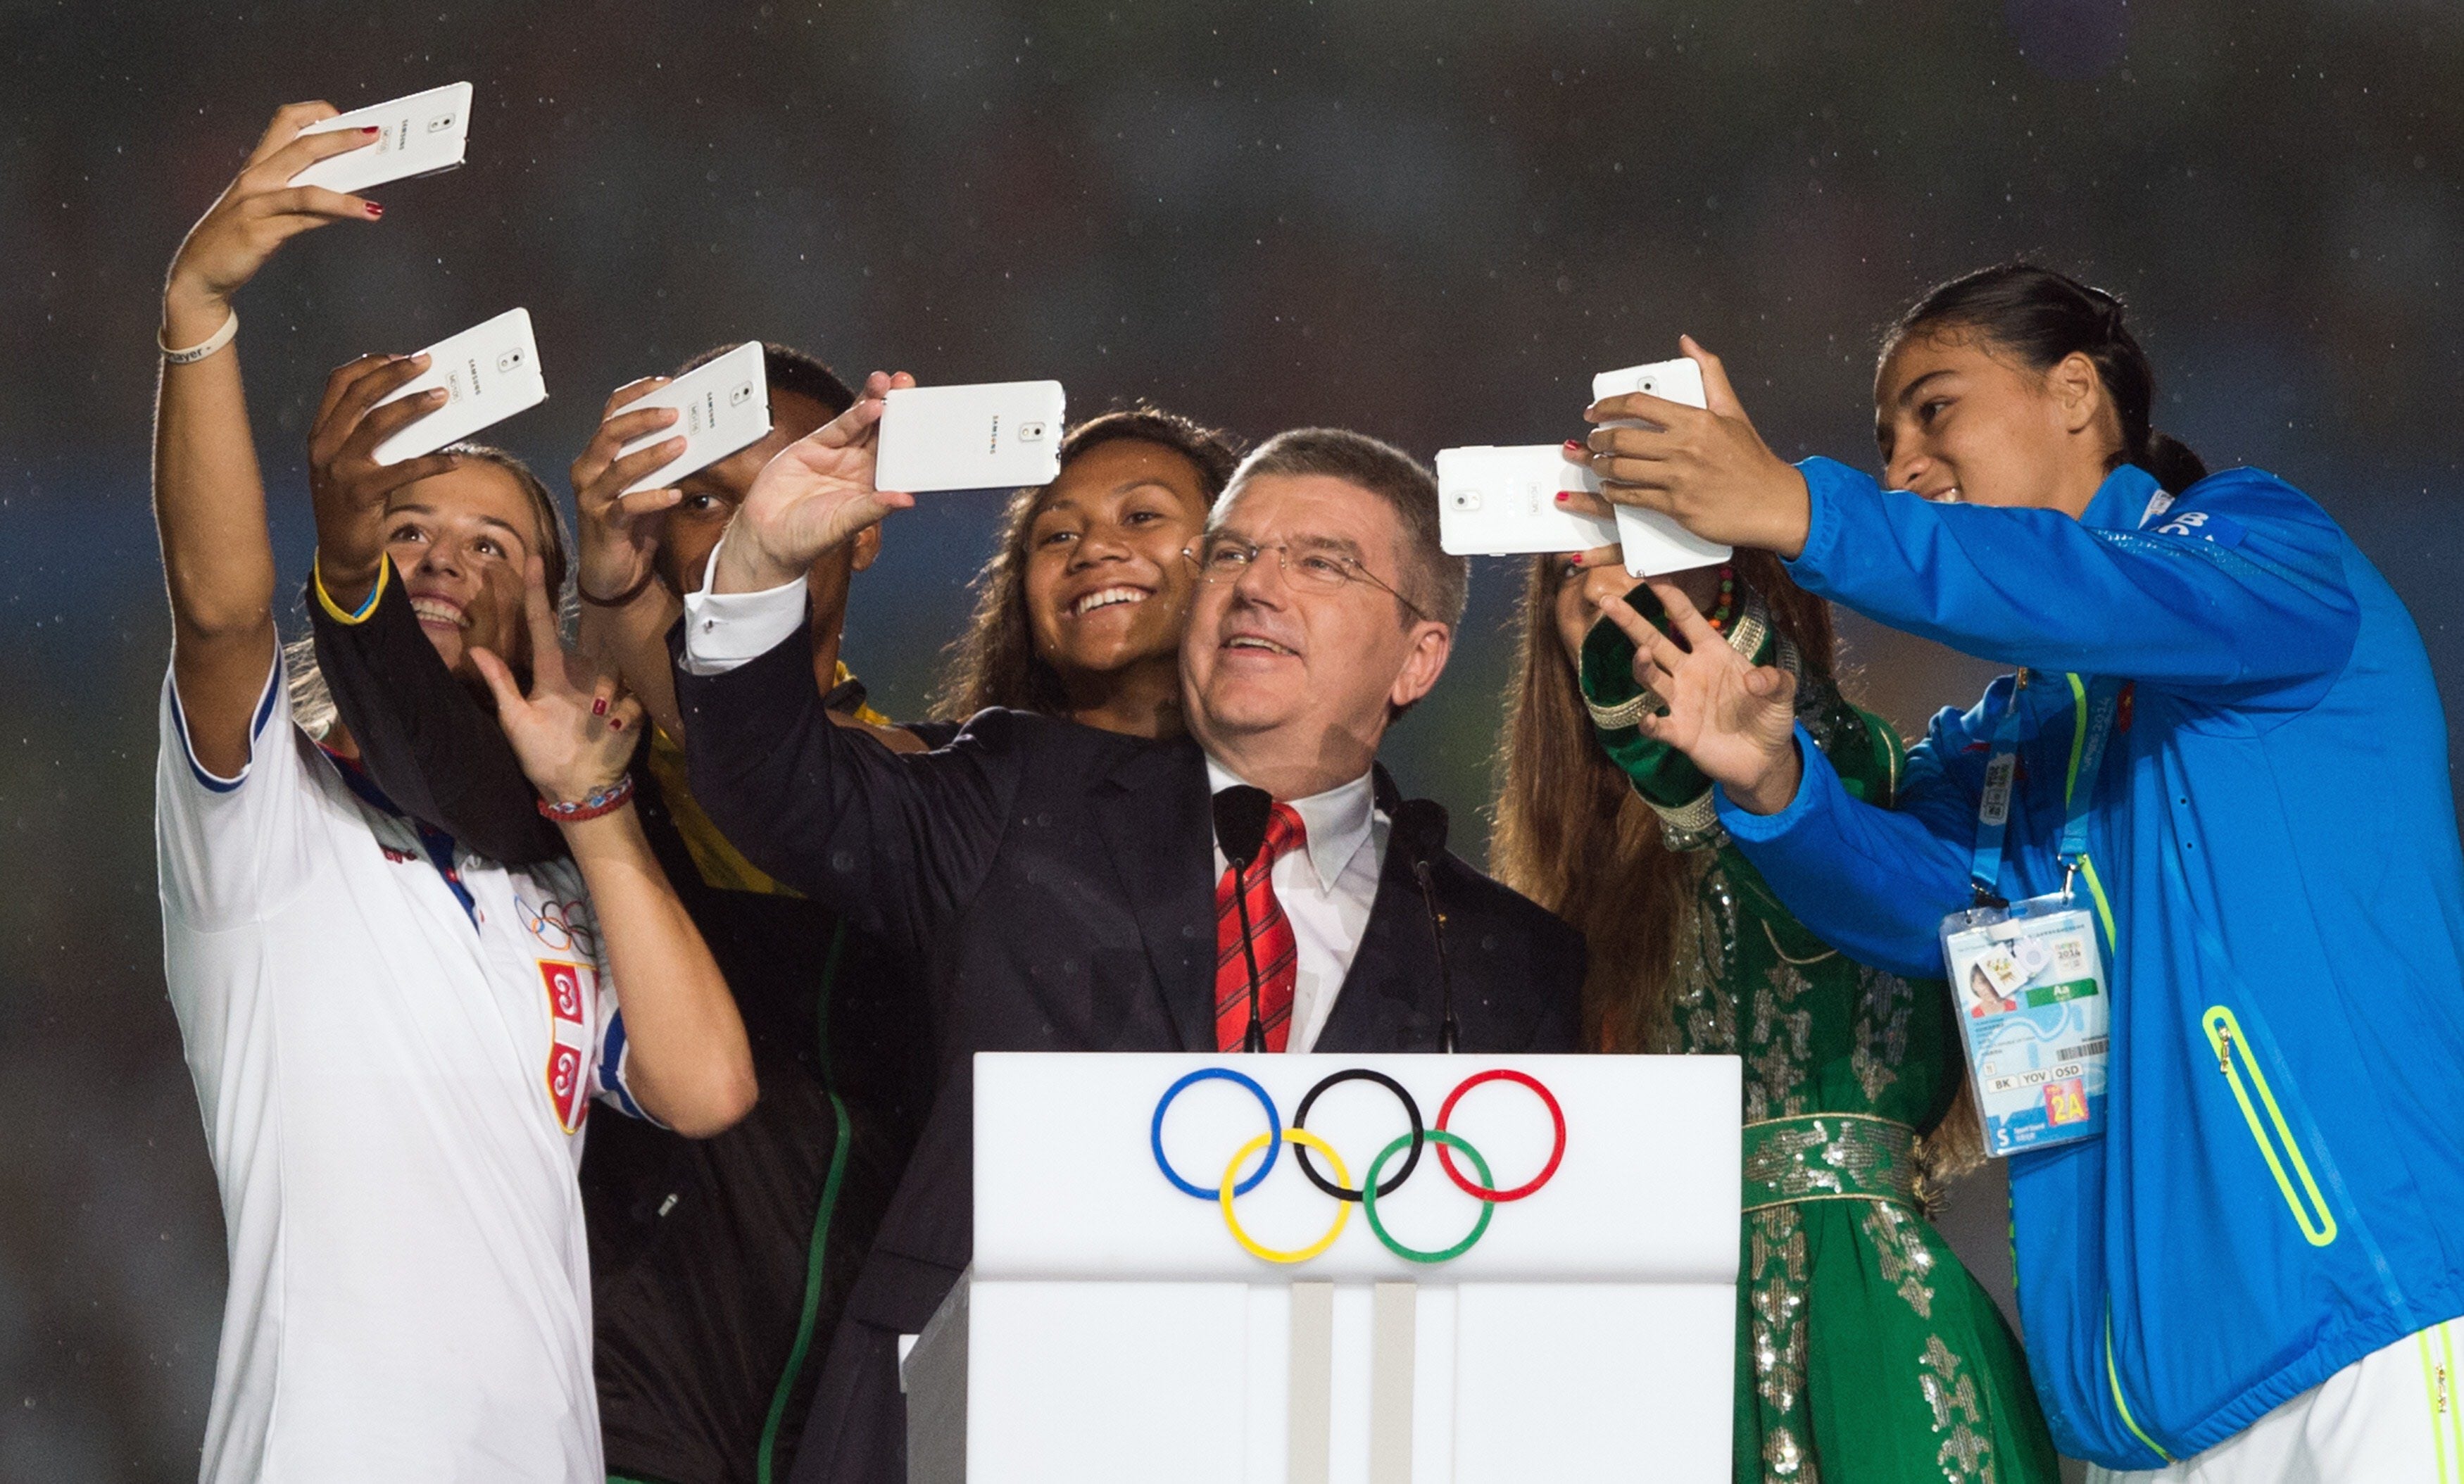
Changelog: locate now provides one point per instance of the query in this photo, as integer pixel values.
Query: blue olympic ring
(1274, 1140)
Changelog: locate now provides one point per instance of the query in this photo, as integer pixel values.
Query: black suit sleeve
(423, 736)
(896, 842)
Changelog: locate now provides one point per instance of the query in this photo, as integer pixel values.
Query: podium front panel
(1559, 1304)
(1067, 1184)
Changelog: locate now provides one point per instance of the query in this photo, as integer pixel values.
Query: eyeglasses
(1312, 569)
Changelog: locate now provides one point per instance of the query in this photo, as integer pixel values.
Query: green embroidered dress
(1867, 1353)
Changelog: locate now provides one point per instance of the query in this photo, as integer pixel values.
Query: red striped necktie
(1271, 935)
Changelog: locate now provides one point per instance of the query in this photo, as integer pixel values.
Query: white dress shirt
(1326, 891)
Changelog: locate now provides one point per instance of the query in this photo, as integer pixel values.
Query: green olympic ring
(1368, 1198)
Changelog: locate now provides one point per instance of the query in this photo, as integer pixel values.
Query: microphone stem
(1446, 1034)
(1254, 1039)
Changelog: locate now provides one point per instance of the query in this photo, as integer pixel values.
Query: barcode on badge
(2094, 1047)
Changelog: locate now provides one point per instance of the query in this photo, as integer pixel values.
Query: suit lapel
(1388, 1002)
(1154, 816)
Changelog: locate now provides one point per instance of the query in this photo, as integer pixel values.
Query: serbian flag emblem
(568, 1053)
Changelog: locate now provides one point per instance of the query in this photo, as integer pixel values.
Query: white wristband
(198, 352)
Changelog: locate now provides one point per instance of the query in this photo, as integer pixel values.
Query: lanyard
(2098, 699)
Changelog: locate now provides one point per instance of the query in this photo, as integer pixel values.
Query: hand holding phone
(721, 406)
(422, 134)
(1654, 542)
(488, 373)
(819, 491)
(348, 486)
(997, 435)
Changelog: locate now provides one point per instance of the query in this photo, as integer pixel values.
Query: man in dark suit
(1061, 888)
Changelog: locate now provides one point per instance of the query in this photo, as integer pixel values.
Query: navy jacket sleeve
(2237, 596)
(423, 736)
(896, 842)
(1876, 882)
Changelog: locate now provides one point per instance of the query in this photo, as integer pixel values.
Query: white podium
(1120, 1324)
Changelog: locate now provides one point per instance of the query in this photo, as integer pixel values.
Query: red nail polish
(375, 210)
(1561, 496)
(598, 705)
(372, 129)
(616, 723)
(1575, 445)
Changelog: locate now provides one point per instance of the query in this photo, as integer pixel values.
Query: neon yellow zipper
(2070, 787)
(2435, 1376)
(2113, 1378)
(2225, 1038)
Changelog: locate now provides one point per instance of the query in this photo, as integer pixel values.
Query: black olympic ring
(1300, 1119)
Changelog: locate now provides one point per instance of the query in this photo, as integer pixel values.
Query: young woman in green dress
(1866, 1350)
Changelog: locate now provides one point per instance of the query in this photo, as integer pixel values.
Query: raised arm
(625, 609)
(2240, 596)
(209, 493)
(2246, 602)
(895, 842)
(691, 1065)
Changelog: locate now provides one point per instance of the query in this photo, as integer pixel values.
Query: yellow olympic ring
(1342, 1209)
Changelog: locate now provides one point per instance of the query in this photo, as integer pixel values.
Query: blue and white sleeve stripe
(273, 681)
(611, 1072)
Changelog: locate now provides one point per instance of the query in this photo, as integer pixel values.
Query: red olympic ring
(1445, 1156)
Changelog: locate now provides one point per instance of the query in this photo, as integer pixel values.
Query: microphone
(1420, 828)
(1241, 814)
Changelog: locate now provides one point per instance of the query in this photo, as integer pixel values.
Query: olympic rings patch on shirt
(1371, 1189)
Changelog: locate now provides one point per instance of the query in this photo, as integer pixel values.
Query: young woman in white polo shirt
(395, 1042)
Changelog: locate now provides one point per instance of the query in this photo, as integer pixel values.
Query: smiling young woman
(1080, 611)
(396, 1039)
(2238, 1280)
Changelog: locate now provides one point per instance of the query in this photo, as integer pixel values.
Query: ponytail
(2041, 316)
(2171, 460)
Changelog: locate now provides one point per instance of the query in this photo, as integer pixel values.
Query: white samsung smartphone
(489, 371)
(722, 405)
(422, 134)
(1503, 501)
(998, 435)
(1654, 543)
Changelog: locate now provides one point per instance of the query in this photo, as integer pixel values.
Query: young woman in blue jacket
(2248, 1275)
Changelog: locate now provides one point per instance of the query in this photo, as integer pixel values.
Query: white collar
(1337, 820)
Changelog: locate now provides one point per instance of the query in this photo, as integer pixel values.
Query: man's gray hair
(1430, 581)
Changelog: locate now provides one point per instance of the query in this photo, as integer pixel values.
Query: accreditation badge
(2036, 1007)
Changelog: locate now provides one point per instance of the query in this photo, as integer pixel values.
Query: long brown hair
(1572, 835)
(993, 663)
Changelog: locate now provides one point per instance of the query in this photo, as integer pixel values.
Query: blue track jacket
(2272, 852)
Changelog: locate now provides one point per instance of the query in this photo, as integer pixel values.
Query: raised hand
(574, 731)
(260, 211)
(1708, 469)
(1734, 718)
(345, 483)
(620, 532)
(817, 492)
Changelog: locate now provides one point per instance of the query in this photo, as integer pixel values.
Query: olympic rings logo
(1372, 1189)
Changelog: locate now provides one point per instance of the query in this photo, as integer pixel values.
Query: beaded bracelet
(606, 799)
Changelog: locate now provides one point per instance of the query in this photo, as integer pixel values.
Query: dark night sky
(1431, 222)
